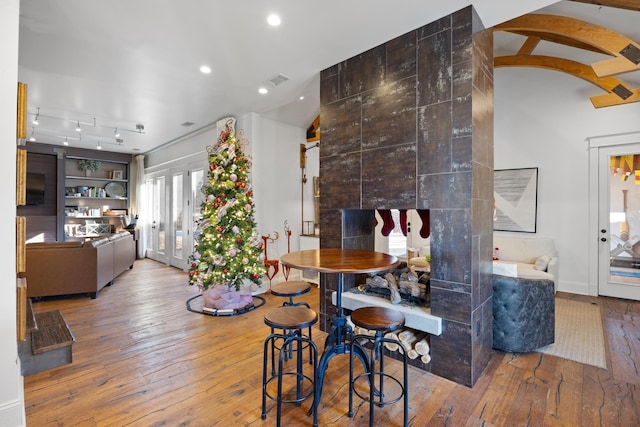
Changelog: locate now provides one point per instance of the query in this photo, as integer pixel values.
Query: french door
(173, 205)
(619, 221)
(156, 211)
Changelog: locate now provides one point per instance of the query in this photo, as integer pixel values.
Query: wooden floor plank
(142, 359)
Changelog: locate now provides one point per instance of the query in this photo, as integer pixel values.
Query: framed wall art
(515, 193)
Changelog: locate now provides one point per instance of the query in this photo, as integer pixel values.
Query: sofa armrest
(554, 269)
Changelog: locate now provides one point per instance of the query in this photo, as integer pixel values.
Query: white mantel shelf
(419, 318)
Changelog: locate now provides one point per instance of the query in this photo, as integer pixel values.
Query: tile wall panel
(389, 115)
(434, 139)
(389, 177)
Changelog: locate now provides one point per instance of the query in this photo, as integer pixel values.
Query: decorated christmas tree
(228, 260)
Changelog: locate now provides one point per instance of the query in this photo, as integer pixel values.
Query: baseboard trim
(574, 287)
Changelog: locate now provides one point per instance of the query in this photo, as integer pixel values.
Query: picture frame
(515, 193)
(118, 174)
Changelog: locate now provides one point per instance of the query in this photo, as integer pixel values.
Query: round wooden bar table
(340, 262)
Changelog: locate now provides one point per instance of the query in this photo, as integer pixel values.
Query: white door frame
(625, 141)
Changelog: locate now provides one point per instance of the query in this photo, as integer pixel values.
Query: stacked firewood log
(416, 342)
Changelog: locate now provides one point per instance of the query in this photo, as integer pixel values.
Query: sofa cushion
(96, 242)
(529, 271)
(526, 250)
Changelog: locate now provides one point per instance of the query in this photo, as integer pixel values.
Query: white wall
(542, 119)
(277, 185)
(11, 391)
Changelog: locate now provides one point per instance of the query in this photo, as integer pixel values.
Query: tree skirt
(196, 305)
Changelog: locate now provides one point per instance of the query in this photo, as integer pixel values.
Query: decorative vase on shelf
(88, 166)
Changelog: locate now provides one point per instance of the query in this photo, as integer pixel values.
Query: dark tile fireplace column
(409, 125)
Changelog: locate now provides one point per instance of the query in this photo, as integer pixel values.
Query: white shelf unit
(86, 199)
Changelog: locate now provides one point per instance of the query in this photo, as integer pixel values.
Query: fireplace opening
(405, 234)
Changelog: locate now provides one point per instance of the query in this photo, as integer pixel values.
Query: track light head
(78, 128)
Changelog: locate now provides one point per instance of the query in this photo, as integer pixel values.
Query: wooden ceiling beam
(568, 66)
(611, 99)
(313, 131)
(529, 44)
(612, 85)
(567, 31)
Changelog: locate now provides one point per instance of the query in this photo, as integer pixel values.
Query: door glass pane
(160, 213)
(197, 196)
(624, 216)
(149, 211)
(177, 214)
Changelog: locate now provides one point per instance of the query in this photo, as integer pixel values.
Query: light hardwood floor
(142, 359)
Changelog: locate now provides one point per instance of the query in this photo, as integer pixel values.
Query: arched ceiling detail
(624, 53)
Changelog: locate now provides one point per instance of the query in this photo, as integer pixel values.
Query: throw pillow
(542, 262)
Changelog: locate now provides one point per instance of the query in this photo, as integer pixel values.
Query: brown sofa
(66, 268)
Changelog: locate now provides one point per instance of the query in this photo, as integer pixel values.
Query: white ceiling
(120, 63)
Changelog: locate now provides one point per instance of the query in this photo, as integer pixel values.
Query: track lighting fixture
(89, 130)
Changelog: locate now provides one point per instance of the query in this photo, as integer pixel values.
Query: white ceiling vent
(278, 79)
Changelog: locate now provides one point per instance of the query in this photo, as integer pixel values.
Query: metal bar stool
(290, 290)
(291, 320)
(380, 320)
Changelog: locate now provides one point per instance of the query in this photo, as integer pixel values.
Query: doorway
(617, 191)
(173, 205)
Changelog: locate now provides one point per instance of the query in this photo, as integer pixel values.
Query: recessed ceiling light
(263, 91)
(273, 20)
(205, 69)
(301, 98)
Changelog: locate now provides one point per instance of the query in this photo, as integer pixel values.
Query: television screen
(35, 188)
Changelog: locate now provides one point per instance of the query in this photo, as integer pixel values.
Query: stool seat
(378, 318)
(290, 289)
(375, 379)
(291, 317)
